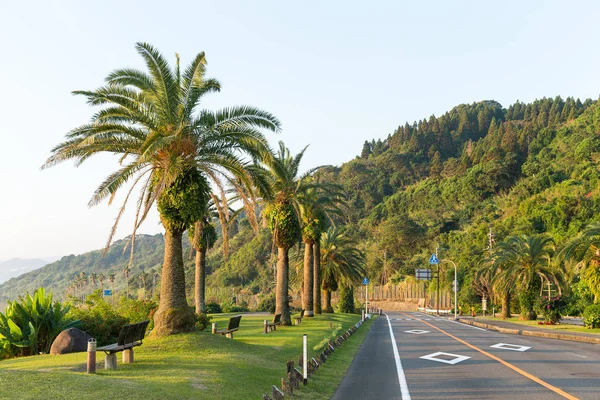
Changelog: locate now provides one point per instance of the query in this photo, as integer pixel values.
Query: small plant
(591, 316)
(202, 321)
(231, 308)
(552, 309)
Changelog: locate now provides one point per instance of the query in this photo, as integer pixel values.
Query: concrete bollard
(214, 327)
(266, 326)
(91, 358)
(362, 316)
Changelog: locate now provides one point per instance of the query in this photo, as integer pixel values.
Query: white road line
(401, 377)
(578, 355)
(470, 326)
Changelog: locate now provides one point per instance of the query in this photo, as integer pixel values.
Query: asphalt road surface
(411, 355)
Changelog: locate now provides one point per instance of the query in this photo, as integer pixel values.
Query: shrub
(552, 308)
(347, 300)
(213, 308)
(591, 316)
(231, 308)
(98, 318)
(30, 325)
(202, 321)
(267, 303)
(137, 310)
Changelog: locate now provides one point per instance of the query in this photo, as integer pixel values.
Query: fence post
(91, 358)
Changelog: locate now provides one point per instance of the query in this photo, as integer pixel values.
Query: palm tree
(126, 271)
(202, 237)
(584, 250)
(526, 262)
(111, 279)
(343, 263)
(283, 215)
(317, 203)
(101, 281)
(170, 149)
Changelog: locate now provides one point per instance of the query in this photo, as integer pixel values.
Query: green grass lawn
(558, 327)
(191, 366)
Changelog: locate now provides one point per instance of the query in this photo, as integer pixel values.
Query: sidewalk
(516, 329)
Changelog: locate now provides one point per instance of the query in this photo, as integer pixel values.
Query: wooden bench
(232, 326)
(129, 337)
(269, 326)
(299, 319)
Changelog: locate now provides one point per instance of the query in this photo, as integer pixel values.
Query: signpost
(366, 283)
(107, 292)
(433, 260)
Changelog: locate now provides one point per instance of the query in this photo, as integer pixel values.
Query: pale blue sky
(335, 73)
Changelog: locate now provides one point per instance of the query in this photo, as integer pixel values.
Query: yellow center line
(501, 361)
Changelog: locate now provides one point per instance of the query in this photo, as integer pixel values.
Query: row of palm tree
(523, 264)
(182, 158)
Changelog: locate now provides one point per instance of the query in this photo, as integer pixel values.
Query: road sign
(107, 292)
(423, 274)
(365, 281)
(434, 260)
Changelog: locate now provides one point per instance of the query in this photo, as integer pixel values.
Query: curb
(548, 335)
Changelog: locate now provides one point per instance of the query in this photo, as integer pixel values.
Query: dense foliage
(30, 325)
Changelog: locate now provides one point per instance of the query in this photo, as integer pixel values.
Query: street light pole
(455, 288)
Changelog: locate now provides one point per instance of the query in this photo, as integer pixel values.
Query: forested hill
(529, 168)
(442, 181)
(65, 274)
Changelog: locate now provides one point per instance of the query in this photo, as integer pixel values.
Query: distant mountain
(18, 266)
(59, 276)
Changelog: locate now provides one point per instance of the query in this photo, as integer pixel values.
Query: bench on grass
(129, 337)
(269, 326)
(299, 319)
(232, 326)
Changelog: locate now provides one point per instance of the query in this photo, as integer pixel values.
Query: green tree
(283, 215)
(527, 263)
(343, 263)
(169, 147)
(584, 250)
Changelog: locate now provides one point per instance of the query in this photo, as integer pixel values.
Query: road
(438, 358)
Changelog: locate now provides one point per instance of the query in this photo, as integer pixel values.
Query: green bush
(202, 321)
(98, 318)
(30, 325)
(346, 300)
(232, 308)
(267, 303)
(137, 310)
(213, 308)
(591, 316)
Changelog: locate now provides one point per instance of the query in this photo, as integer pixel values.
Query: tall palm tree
(584, 250)
(526, 262)
(317, 204)
(343, 264)
(101, 281)
(203, 237)
(171, 149)
(126, 271)
(283, 215)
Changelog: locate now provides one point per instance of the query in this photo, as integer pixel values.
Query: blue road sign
(365, 281)
(433, 259)
(107, 292)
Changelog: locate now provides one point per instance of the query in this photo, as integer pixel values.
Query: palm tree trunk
(282, 305)
(200, 281)
(173, 314)
(317, 278)
(328, 308)
(506, 305)
(307, 303)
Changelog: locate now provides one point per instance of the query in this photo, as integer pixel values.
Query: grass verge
(190, 366)
(557, 327)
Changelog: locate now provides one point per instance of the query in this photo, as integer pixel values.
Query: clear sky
(336, 73)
